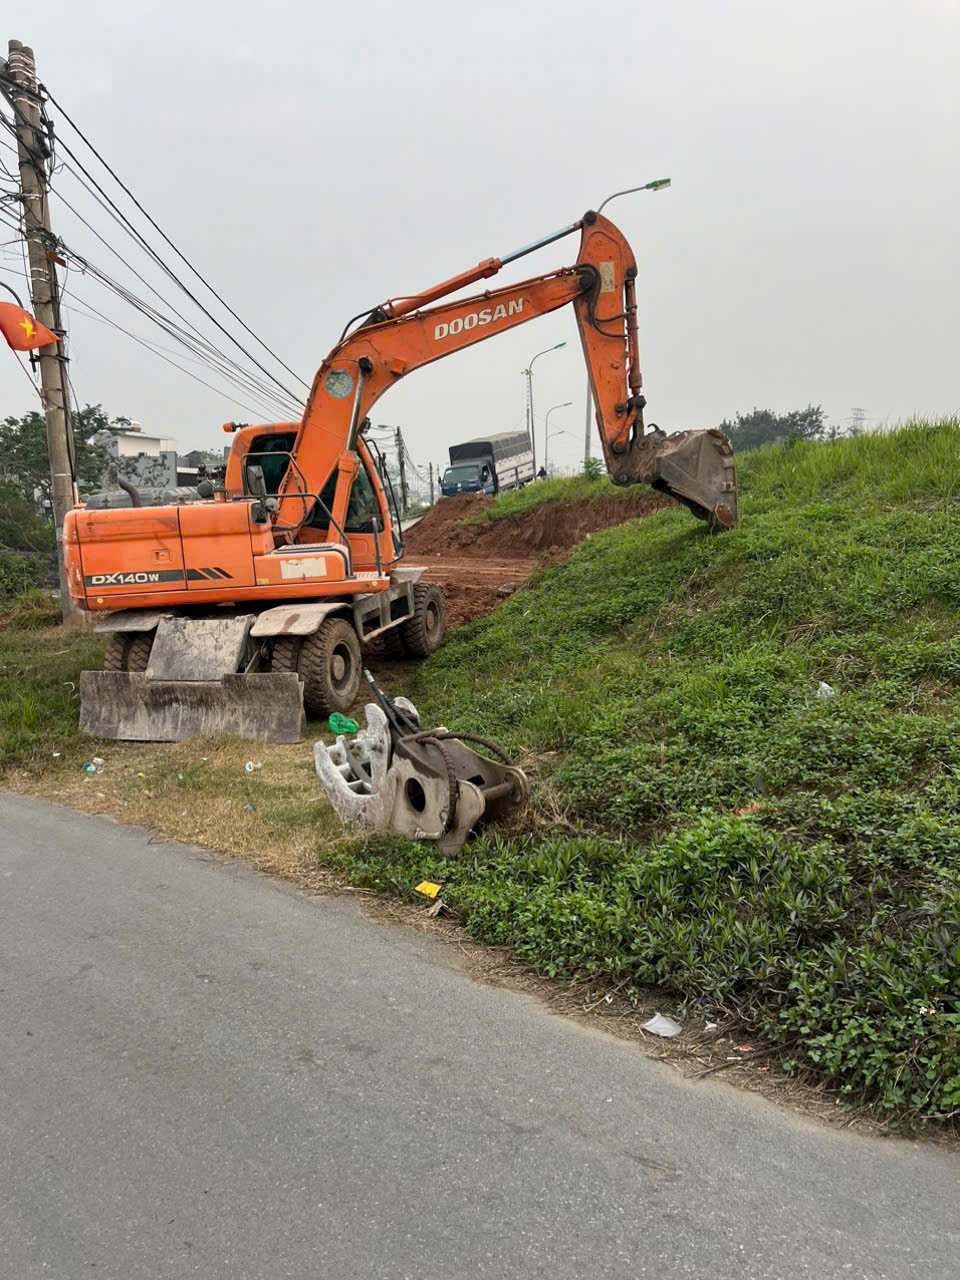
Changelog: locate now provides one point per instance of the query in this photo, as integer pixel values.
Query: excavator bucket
(695, 467)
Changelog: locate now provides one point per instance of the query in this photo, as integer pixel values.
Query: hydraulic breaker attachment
(423, 785)
(695, 467)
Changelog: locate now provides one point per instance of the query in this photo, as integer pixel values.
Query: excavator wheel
(115, 654)
(428, 623)
(128, 651)
(138, 654)
(286, 654)
(328, 663)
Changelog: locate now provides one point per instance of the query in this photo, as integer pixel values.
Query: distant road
(205, 1073)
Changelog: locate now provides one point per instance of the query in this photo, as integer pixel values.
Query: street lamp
(528, 372)
(546, 429)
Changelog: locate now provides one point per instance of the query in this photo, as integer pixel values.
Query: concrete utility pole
(402, 465)
(431, 484)
(33, 152)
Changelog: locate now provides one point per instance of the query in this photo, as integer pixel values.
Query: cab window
(271, 452)
(361, 509)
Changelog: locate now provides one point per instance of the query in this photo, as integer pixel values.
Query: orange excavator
(229, 613)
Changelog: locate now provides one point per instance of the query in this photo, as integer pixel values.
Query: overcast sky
(313, 159)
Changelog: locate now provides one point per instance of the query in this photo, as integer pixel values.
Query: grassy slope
(667, 678)
(664, 678)
(556, 489)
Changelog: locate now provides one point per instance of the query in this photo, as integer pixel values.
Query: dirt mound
(549, 529)
(479, 564)
(434, 530)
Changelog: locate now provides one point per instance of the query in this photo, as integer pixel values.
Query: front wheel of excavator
(328, 663)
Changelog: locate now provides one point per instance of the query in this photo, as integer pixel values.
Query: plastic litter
(744, 1048)
(711, 1026)
(825, 691)
(662, 1026)
(250, 766)
(89, 768)
(342, 724)
(427, 888)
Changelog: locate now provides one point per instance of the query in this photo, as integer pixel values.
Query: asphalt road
(206, 1073)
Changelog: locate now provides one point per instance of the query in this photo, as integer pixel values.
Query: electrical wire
(176, 280)
(155, 351)
(211, 348)
(223, 365)
(160, 230)
(200, 349)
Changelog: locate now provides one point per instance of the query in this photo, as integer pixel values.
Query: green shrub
(24, 571)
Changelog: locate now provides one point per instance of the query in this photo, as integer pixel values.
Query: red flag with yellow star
(21, 330)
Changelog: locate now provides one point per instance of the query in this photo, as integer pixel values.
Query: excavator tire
(428, 623)
(286, 654)
(138, 653)
(115, 654)
(128, 651)
(330, 666)
(328, 663)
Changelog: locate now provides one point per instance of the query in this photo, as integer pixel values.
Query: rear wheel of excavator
(128, 651)
(328, 663)
(424, 631)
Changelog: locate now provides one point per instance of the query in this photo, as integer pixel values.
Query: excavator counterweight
(286, 568)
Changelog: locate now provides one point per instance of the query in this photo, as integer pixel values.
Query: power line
(157, 228)
(199, 346)
(152, 348)
(226, 367)
(254, 382)
(175, 278)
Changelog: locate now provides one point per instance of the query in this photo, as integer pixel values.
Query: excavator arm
(401, 335)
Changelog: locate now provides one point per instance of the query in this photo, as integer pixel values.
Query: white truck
(491, 465)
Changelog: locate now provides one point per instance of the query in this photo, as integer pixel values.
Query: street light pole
(529, 376)
(546, 429)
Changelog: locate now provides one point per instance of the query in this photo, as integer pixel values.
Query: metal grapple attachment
(695, 467)
(423, 785)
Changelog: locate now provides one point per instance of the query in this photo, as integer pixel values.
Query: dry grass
(199, 792)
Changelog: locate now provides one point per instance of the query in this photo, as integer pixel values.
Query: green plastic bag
(342, 724)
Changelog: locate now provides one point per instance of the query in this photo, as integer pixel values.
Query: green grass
(554, 489)
(666, 679)
(40, 667)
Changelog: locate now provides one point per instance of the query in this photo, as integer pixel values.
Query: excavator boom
(403, 334)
